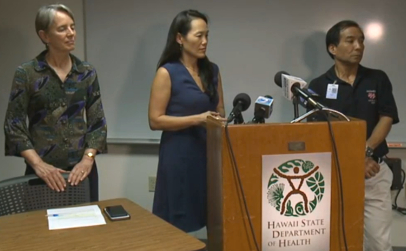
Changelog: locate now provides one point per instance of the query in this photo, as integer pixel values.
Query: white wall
(125, 170)
(125, 41)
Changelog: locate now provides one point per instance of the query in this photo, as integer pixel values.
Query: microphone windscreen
(244, 100)
(278, 78)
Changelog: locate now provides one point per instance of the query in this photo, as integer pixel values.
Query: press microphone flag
(294, 86)
(263, 106)
(288, 82)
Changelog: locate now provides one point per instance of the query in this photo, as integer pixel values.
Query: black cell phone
(116, 213)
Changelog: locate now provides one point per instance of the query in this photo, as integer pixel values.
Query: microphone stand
(257, 120)
(295, 100)
(238, 119)
(259, 117)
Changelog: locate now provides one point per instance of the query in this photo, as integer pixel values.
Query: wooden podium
(228, 226)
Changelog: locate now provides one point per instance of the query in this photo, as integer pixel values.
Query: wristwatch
(90, 155)
(369, 152)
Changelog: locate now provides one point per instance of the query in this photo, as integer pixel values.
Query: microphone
(263, 109)
(287, 83)
(241, 103)
(294, 86)
(304, 103)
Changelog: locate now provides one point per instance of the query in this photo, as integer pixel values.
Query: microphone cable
(237, 172)
(395, 206)
(339, 175)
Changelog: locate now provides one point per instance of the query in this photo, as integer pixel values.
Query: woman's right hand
(203, 116)
(51, 175)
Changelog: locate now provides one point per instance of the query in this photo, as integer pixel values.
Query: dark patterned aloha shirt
(64, 118)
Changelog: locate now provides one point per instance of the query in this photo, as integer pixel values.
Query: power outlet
(151, 184)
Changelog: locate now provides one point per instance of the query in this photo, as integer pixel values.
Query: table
(143, 232)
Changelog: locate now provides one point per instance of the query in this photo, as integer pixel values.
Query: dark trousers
(93, 180)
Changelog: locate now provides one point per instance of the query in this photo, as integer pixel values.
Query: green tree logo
(303, 171)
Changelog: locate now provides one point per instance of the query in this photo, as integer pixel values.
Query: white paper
(85, 216)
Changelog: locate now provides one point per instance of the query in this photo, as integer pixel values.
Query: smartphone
(116, 213)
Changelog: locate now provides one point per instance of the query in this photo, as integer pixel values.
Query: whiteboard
(249, 40)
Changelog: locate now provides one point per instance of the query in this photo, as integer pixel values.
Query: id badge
(332, 91)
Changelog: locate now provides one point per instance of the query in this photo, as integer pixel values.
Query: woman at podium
(185, 91)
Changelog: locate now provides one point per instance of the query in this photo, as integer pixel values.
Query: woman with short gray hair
(54, 91)
(46, 14)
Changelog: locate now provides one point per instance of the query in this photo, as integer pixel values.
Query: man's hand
(371, 167)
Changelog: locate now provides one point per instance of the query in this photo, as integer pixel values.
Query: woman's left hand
(80, 171)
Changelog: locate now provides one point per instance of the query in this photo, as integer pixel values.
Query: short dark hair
(333, 34)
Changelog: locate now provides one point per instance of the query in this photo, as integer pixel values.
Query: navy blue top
(180, 193)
